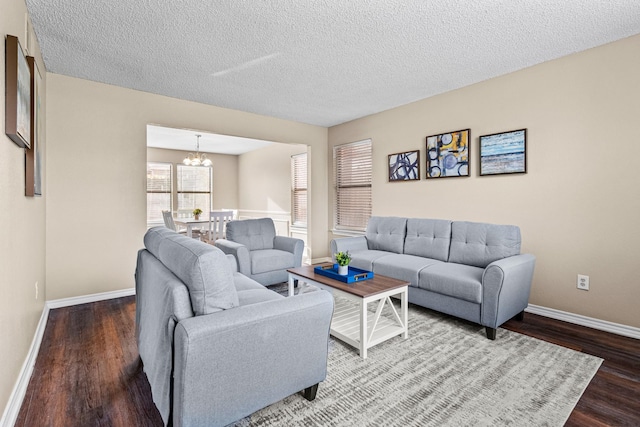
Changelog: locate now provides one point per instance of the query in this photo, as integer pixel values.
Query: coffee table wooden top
(363, 288)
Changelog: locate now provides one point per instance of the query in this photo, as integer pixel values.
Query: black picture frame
(448, 155)
(33, 158)
(404, 166)
(503, 153)
(17, 94)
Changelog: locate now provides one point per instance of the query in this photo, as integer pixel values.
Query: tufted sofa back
(255, 234)
(429, 238)
(386, 233)
(479, 244)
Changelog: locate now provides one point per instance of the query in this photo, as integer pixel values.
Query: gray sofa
(470, 270)
(217, 346)
(261, 255)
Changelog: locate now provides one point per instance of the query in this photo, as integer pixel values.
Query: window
(158, 190)
(352, 168)
(194, 188)
(299, 189)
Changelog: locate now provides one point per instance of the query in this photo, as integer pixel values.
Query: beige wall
(225, 174)
(578, 204)
(97, 173)
(22, 235)
(265, 178)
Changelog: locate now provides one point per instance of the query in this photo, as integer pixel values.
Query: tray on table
(354, 275)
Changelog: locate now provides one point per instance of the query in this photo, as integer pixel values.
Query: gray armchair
(261, 255)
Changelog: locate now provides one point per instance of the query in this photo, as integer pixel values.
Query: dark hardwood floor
(88, 372)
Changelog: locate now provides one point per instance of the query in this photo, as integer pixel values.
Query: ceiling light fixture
(197, 159)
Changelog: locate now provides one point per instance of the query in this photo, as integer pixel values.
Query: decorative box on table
(354, 275)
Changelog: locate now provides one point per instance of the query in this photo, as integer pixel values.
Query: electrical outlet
(36, 290)
(583, 282)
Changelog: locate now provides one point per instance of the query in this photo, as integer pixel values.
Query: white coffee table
(351, 322)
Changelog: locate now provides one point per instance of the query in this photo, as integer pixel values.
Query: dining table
(191, 223)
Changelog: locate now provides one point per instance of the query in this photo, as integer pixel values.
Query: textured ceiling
(319, 62)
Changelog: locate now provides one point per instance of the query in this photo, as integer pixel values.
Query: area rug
(447, 373)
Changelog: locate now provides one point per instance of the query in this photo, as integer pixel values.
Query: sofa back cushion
(386, 233)
(479, 244)
(255, 234)
(203, 268)
(428, 238)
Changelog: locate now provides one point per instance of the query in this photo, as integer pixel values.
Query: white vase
(343, 270)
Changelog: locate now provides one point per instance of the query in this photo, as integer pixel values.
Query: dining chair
(233, 211)
(171, 225)
(217, 224)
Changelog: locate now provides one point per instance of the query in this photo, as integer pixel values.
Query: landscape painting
(503, 153)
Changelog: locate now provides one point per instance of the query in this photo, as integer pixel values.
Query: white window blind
(353, 169)
(299, 189)
(194, 188)
(158, 190)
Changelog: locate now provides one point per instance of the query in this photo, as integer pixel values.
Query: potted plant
(343, 259)
(196, 213)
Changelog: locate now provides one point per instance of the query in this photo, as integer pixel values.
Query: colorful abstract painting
(502, 153)
(404, 166)
(448, 154)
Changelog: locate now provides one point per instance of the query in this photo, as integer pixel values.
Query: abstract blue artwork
(448, 154)
(404, 166)
(503, 153)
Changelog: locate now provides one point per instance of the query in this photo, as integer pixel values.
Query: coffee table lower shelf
(345, 325)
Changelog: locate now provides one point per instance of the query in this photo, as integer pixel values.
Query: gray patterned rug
(447, 373)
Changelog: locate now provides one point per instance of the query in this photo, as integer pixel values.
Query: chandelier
(197, 159)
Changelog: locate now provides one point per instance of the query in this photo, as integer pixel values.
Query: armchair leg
(309, 393)
(520, 316)
(491, 333)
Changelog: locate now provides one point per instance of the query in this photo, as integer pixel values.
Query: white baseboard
(590, 322)
(319, 260)
(16, 397)
(66, 302)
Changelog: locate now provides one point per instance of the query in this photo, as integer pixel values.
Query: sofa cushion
(364, 259)
(243, 283)
(480, 244)
(455, 280)
(254, 296)
(203, 268)
(403, 267)
(255, 234)
(429, 238)
(386, 233)
(266, 260)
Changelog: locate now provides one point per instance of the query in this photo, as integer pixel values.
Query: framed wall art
(448, 154)
(503, 153)
(33, 164)
(18, 94)
(404, 166)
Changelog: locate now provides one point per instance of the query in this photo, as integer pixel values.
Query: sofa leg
(309, 393)
(520, 316)
(491, 333)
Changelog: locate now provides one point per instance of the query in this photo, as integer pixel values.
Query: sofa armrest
(239, 251)
(351, 244)
(506, 285)
(290, 244)
(232, 262)
(229, 364)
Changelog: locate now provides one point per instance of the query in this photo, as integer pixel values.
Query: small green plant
(197, 211)
(343, 258)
